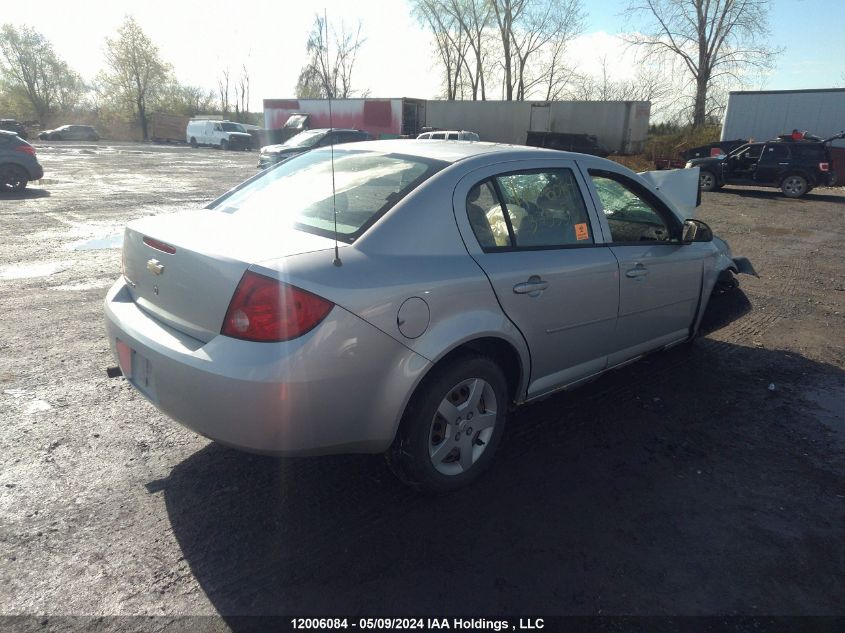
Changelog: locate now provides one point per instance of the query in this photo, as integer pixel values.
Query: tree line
(688, 52)
(36, 84)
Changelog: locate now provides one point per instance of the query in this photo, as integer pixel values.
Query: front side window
(632, 213)
(533, 209)
(298, 193)
(233, 127)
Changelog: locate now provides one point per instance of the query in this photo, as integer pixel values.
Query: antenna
(336, 260)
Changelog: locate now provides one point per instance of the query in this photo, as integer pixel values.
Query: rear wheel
(12, 178)
(707, 180)
(452, 426)
(193, 142)
(224, 144)
(794, 186)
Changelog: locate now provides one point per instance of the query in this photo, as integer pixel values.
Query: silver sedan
(401, 297)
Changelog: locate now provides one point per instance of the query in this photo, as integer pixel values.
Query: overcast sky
(201, 38)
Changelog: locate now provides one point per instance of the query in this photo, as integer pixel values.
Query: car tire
(436, 448)
(707, 180)
(794, 185)
(13, 178)
(193, 142)
(224, 144)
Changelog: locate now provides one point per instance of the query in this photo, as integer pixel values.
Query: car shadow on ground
(26, 194)
(681, 484)
(776, 196)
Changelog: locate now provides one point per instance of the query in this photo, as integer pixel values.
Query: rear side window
(775, 153)
(298, 193)
(529, 210)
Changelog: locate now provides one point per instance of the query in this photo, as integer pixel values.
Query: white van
(222, 134)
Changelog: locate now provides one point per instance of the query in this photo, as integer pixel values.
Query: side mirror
(696, 231)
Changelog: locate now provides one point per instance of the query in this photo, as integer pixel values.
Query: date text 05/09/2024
(419, 624)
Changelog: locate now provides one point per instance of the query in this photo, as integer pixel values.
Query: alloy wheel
(462, 426)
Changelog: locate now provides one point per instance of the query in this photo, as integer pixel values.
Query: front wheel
(707, 180)
(452, 426)
(794, 186)
(12, 178)
(224, 144)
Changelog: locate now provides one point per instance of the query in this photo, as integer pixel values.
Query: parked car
(70, 133)
(18, 164)
(13, 125)
(401, 297)
(308, 140)
(449, 135)
(222, 134)
(793, 164)
(568, 142)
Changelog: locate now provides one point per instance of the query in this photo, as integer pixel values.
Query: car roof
(452, 152)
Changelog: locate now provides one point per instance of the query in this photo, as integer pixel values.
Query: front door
(659, 277)
(533, 233)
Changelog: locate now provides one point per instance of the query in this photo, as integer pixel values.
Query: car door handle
(639, 271)
(533, 287)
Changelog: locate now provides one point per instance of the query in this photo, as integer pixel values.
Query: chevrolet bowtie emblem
(155, 267)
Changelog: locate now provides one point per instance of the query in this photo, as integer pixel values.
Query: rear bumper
(36, 172)
(341, 388)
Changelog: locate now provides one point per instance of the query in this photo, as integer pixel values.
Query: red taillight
(26, 149)
(266, 310)
(824, 166)
(159, 246)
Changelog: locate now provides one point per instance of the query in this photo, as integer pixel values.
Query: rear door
(774, 162)
(659, 277)
(535, 234)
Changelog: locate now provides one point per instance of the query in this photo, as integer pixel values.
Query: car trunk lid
(184, 268)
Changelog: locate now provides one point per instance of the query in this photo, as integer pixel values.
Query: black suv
(794, 164)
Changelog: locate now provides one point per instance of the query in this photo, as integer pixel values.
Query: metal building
(764, 114)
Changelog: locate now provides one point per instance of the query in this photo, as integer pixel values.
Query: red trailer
(383, 118)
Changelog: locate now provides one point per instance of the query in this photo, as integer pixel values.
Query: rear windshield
(305, 139)
(299, 191)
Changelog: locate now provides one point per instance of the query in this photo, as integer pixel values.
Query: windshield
(233, 127)
(305, 139)
(299, 191)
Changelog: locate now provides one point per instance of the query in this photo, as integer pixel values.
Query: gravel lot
(679, 485)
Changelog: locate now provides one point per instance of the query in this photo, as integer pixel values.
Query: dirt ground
(703, 480)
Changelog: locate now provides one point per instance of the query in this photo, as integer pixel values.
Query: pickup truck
(792, 164)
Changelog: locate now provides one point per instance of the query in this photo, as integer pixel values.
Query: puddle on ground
(96, 244)
(28, 271)
(831, 404)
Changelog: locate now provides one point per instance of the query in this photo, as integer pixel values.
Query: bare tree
(451, 46)
(242, 90)
(332, 56)
(135, 71)
(649, 84)
(473, 17)
(223, 90)
(526, 28)
(30, 67)
(713, 39)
